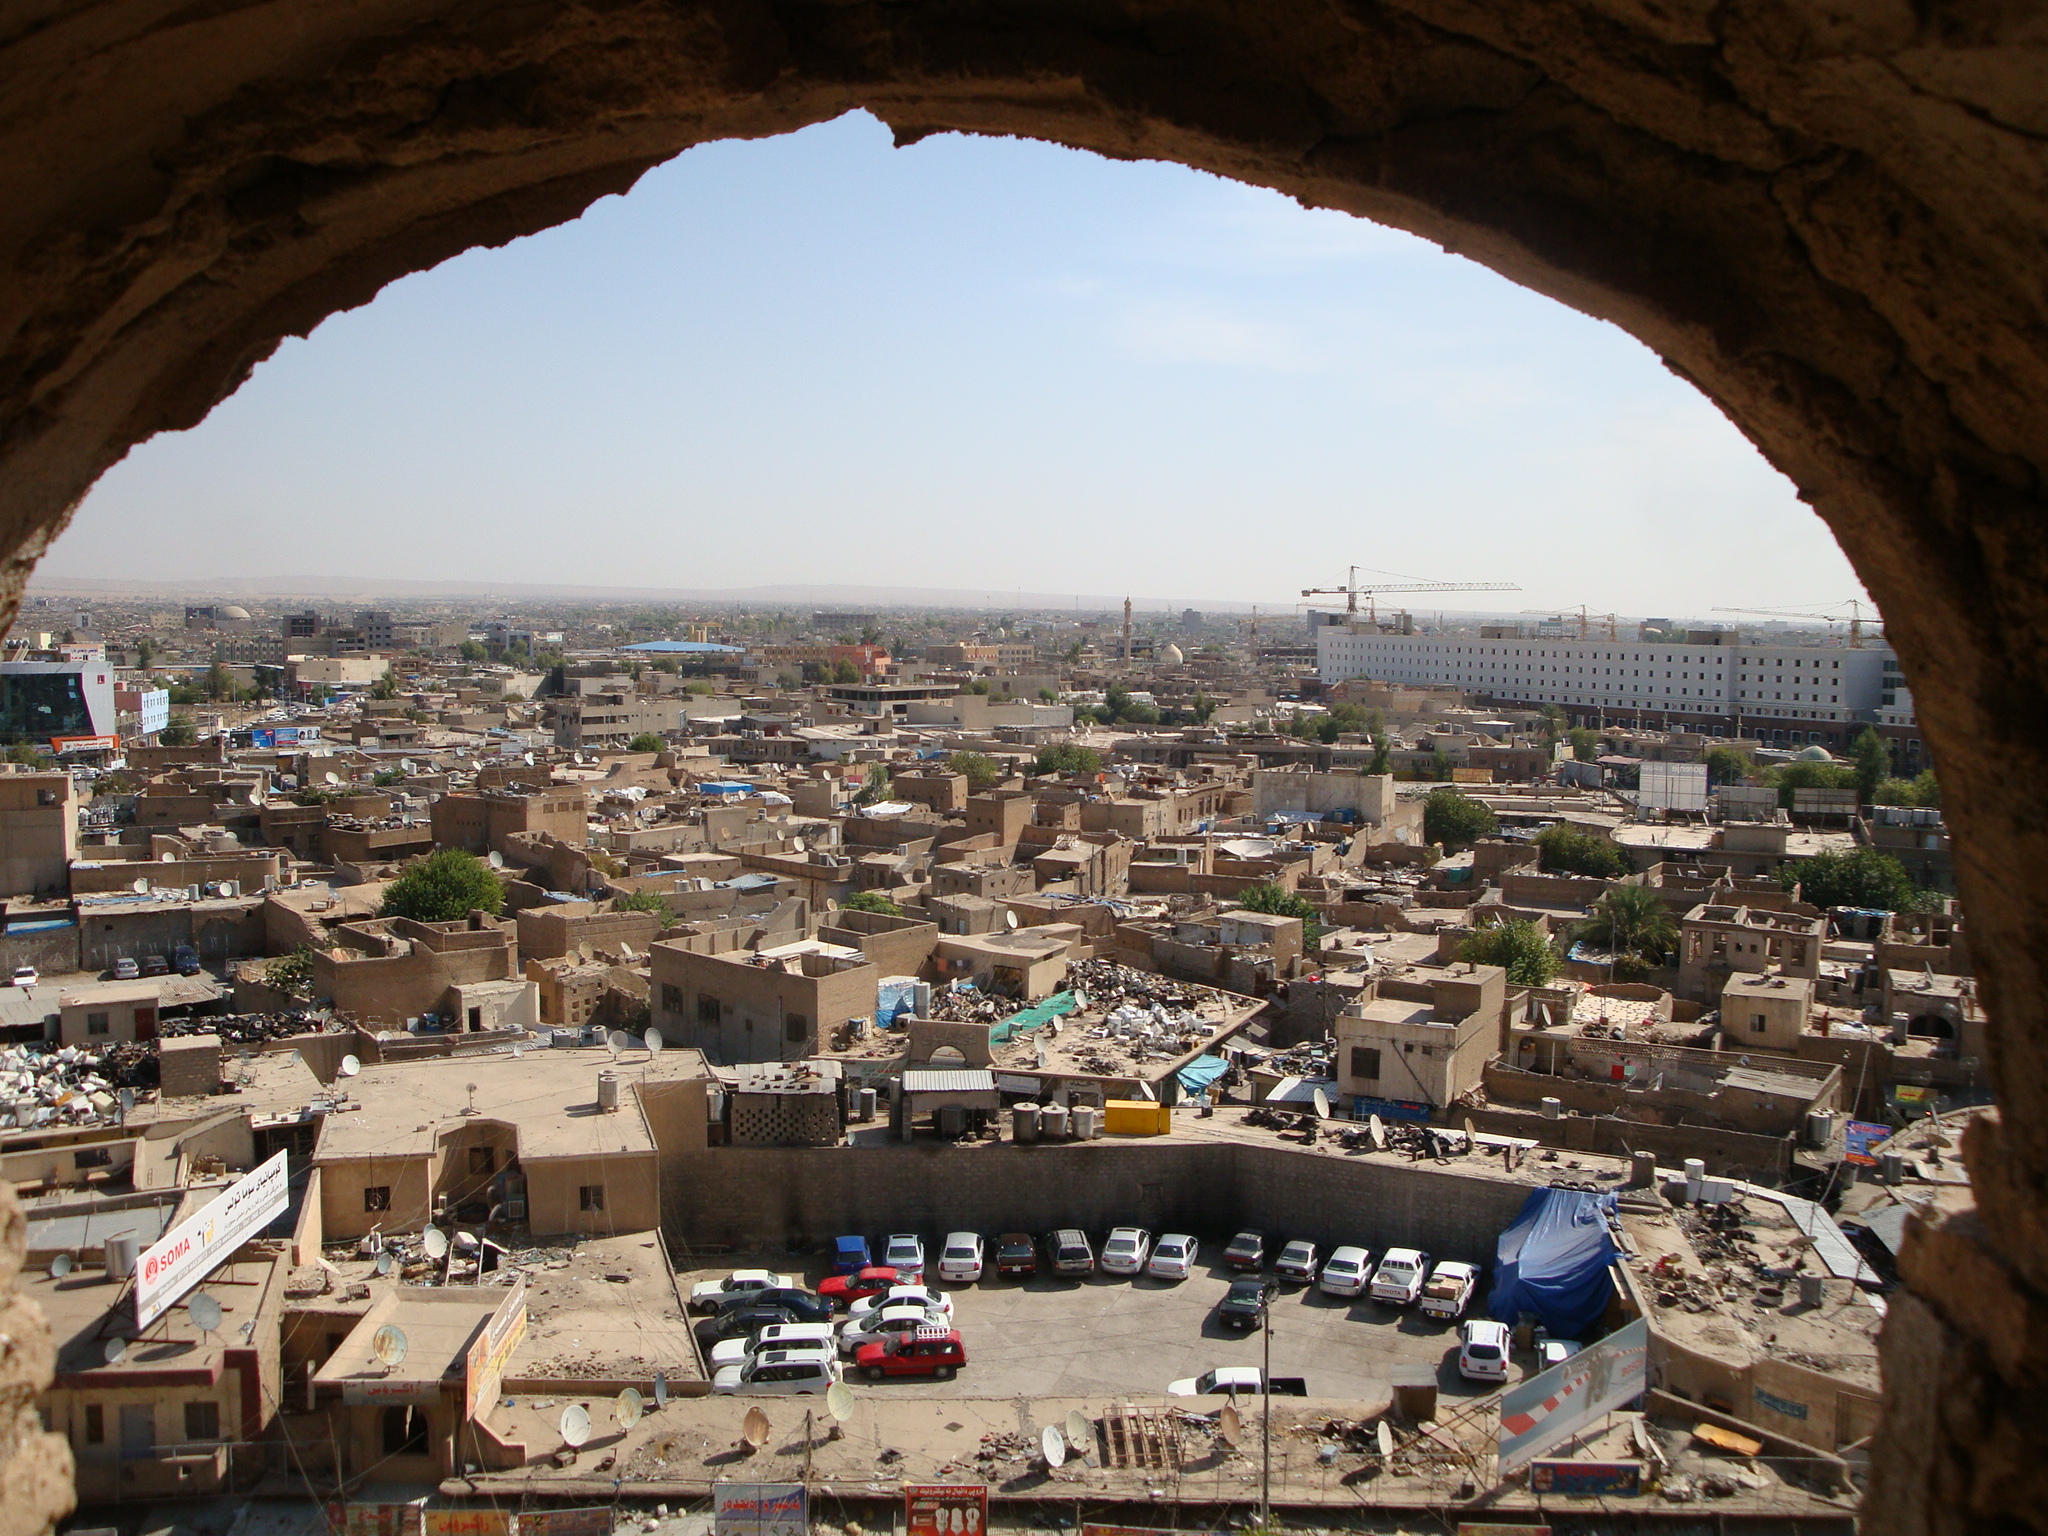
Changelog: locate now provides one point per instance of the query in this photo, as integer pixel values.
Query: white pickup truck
(1449, 1291)
(710, 1295)
(1398, 1280)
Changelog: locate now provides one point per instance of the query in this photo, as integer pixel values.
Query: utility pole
(1266, 1417)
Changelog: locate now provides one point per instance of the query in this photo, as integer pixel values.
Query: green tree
(385, 778)
(1278, 901)
(292, 974)
(872, 901)
(976, 685)
(1066, 757)
(1518, 947)
(444, 887)
(1382, 755)
(647, 741)
(30, 755)
(1926, 788)
(1864, 878)
(1455, 820)
(1632, 922)
(1439, 765)
(1047, 696)
(1873, 761)
(978, 768)
(845, 672)
(788, 682)
(642, 901)
(1552, 716)
(385, 687)
(1729, 765)
(219, 682)
(144, 652)
(1567, 851)
(179, 733)
(875, 788)
(1205, 707)
(1787, 777)
(1585, 744)
(470, 650)
(700, 687)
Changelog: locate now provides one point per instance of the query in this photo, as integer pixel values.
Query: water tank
(1553, 1109)
(1813, 1290)
(1820, 1127)
(1087, 1122)
(608, 1092)
(1695, 1176)
(1024, 1122)
(1892, 1166)
(1052, 1122)
(863, 1104)
(121, 1253)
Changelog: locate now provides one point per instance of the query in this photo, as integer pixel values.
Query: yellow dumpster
(1135, 1117)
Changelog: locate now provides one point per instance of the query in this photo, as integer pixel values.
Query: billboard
(945, 1509)
(566, 1522)
(1747, 802)
(1864, 1137)
(283, 738)
(1586, 1479)
(488, 1352)
(1824, 802)
(759, 1509)
(1547, 1410)
(199, 1244)
(1672, 787)
(468, 1522)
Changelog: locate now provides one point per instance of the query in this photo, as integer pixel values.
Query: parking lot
(1048, 1337)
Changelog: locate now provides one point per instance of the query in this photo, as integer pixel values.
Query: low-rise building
(1421, 1043)
(774, 1005)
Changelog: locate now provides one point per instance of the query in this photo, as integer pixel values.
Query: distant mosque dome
(1816, 754)
(1171, 656)
(234, 611)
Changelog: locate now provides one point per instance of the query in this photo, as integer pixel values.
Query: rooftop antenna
(350, 1066)
(385, 1263)
(470, 1108)
(1052, 1443)
(205, 1312)
(1080, 1433)
(388, 1344)
(435, 1241)
(116, 1351)
(575, 1425)
(60, 1266)
(661, 1389)
(754, 1429)
(627, 1407)
(652, 1040)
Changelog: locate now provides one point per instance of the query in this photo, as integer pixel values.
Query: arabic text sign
(945, 1509)
(485, 1365)
(468, 1522)
(760, 1509)
(1863, 1137)
(191, 1250)
(1586, 1478)
(1549, 1409)
(565, 1522)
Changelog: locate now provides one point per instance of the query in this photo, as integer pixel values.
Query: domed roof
(1816, 754)
(1171, 656)
(234, 611)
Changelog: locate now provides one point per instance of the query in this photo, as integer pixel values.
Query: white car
(937, 1302)
(1125, 1252)
(1449, 1290)
(887, 1323)
(1345, 1272)
(1225, 1378)
(905, 1255)
(774, 1336)
(1173, 1257)
(1483, 1352)
(960, 1261)
(26, 976)
(777, 1371)
(709, 1295)
(1398, 1280)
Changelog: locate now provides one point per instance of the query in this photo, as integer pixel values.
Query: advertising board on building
(759, 1509)
(63, 744)
(1586, 1478)
(1862, 1138)
(945, 1509)
(1672, 787)
(484, 1366)
(374, 1519)
(377, 1392)
(1363, 1108)
(196, 1246)
(565, 1522)
(468, 1522)
(1547, 1410)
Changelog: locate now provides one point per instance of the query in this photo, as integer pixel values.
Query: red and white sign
(203, 1241)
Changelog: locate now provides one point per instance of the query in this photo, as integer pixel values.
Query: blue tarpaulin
(1554, 1262)
(1198, 1074)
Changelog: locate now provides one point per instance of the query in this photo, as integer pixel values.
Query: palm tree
(1632, 922)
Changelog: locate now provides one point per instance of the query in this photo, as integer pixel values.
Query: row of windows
(202, 1422)
(377, 1197)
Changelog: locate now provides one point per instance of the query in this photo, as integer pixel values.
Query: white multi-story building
(1710, 683)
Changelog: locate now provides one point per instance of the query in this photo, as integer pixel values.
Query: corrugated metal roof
(948, 1080)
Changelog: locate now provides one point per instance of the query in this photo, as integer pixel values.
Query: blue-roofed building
(682, 648)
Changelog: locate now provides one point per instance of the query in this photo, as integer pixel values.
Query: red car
(927, 1352)
(845, 1290)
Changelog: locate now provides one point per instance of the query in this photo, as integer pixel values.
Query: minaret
(1127, 631)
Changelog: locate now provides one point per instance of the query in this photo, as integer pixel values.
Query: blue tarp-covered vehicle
(1555, 1260)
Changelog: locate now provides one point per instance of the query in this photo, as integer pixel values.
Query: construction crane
(1586, 615)
(1352, 591)
(1855, 616)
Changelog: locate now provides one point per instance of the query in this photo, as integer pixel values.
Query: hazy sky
(969, 363)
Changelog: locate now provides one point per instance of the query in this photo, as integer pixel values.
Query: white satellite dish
(1385, 1436)
(754, 1429)
(1378, 1127)
(652, 1040)
(350, 1066)
(60, 1266)
(332, 778)
(839, 1401)
(204, 1311)
(1009, 919)
(617, 1041)
(661, 1390)
(627, 1407)
(386, 1263)
(115, 1352)
(497, 859)
(585, 953)
(388, 1345)
(1080, 1433)
(575, 1425)
(138, 886)
(796, 845)
(405, 766)
(1054, 1445)
(1322, 1105)
(626, 953)
(526, 758)
(435, 1241)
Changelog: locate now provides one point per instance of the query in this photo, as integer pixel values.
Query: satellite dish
(796, 845)
(139, 886)
(350, 1066)
(204, 1311)
(1322, 1105)
(1080, 1433)
(1378, 1128)
(575, 1425)
(1229, 1428)
(388, 1345)
(617, 1041)
(754, 1429)
(1054, 1445)
(332, 778)
(435, 1241)
(405, 766)
(526, 758)
(127, 1100)
(1386, 1439)
(626, 953)
(1009, 918)
(386, 1263)
(116, 1351)
(652, 1040)
(60, 1266)
(518, 1054)
(497, 859)
(838, 1401)
(584, 953)
(628, 1407)
(661, 1390)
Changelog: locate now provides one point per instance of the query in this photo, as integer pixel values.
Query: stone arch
(1830, 219)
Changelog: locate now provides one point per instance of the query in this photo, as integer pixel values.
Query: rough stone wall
(35, 1467)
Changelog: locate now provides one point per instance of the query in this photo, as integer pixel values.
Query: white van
(774, 1336)
(774, 1372)
(1483, 1354)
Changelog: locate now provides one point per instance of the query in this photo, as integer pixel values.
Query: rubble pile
(61, 1087)
(966, 1005)
(249, 1028)
(1106, 985)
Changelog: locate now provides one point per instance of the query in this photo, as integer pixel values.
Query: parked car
(1173, 1257)
(1126, 1251)
(1069, 1254)
(775, 1372)
(777, 1336)
(185, 960)
(850, 1255)
(126, 969)
(1297, 1262)
(155, 965)
(960, 1260)
(1398, 1280)
(1235, 1378)
(1244, 1304)
(1247, 1250)
(25, 976)
(1016, 1256)
(1449, 1290)
(905, 1296)
(706, 1295)
(905, 1254)
(886, 1323)
(1483, 1352)
(808, 1306)
(744, 1323)
(1346, 1272)
(845, 1290)
(922, 1352)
